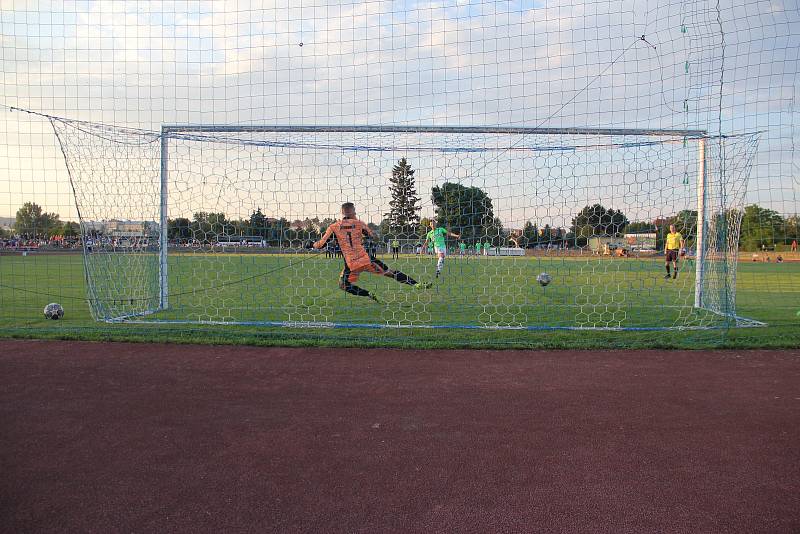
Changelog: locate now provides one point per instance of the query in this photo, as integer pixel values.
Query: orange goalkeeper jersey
(350, 235)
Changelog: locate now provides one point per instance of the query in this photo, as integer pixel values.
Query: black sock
(667, 268)
(355, 290)
(404, 278)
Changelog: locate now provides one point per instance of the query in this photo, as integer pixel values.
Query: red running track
(110, 438)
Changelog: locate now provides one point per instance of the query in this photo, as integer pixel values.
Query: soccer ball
(54, 311)
(543, 279)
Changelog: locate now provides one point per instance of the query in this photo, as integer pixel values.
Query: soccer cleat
(674, 276)
(422, 286)
(374, 299)
(666, 276)
(437, 274)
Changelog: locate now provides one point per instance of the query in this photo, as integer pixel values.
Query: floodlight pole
(699, 270)
(163, 280)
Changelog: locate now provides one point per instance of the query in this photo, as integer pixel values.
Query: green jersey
(486, 245)
(437, 237)
(462, 246)
(478, 247)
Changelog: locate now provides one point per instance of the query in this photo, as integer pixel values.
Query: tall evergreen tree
(403, 213)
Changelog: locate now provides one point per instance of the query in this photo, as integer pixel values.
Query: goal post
(554, 190)
(701, 223)
(163, 270)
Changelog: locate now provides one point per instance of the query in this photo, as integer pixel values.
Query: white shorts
(442, 250)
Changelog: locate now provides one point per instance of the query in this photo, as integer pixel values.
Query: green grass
(493, 292)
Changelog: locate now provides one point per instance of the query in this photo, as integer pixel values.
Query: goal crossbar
(508, 130)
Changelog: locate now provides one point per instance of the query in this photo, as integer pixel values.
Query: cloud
(554, 63)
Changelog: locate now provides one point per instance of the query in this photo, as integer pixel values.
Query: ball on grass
(54, 311)
(543, 279)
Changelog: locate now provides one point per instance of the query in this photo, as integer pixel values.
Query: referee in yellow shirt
(672, 250)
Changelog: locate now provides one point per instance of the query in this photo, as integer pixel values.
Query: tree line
(206, 228)
(32, 222)
(468, 211)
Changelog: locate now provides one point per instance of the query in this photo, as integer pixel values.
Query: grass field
(478, 292)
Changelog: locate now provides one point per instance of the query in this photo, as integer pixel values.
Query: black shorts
(672, 255)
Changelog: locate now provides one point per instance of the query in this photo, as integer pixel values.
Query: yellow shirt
(674, 241)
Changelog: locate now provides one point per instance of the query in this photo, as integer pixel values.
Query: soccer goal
(551, 192)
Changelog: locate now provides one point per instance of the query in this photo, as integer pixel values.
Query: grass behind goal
(765, 292)
(489, 292)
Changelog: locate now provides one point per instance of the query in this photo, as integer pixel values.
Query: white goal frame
(172, 130)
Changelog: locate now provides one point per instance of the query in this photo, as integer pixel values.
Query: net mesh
(725, 67)
(242, 205)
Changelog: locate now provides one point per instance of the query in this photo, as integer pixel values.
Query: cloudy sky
(560, 63)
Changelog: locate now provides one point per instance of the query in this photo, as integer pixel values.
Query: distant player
(395, 249)
(462, 249)
(674, 243)
(350, 233)
(438, 236)
(478, 248)
(486, 247)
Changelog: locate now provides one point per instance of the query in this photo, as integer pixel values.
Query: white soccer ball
(543, 279)
(54, 311)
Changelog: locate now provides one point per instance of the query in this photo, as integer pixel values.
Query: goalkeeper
(350, 233)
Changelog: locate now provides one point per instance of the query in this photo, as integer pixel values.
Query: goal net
(216, 221)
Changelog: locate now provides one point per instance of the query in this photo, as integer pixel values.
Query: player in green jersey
(438, 236)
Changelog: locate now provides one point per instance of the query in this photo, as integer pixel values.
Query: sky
(561, 63)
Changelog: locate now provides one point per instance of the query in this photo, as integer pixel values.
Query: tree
(258, 224)
(239, 227)
(403, 216)
(546, 235)
(71, 229)
(206, 227)
(179, 228)
(792, 229)
(761, 227)
(685, 222)
(385, 229)
(617, 222)
(640, 227)
(596, 220)
(375, 229)
(497, 235)
(464, 210)
(530, 235)
(33, 222)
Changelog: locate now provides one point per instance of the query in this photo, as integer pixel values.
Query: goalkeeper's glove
(309, 244)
